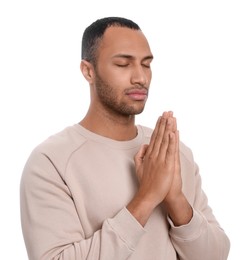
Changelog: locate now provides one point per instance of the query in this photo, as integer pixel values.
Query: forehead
(121, 40)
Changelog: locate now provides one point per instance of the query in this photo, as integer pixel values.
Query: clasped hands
(159, 173)
(158, 163)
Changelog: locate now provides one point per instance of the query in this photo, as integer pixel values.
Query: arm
(194, 230)
(202, 237)
(52, 228)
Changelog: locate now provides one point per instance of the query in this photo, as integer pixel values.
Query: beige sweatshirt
(74, 191)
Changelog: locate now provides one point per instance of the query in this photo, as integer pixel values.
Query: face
(122, 71)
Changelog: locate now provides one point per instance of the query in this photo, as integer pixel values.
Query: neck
(110, 125)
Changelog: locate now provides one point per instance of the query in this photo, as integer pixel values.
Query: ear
(87, 70)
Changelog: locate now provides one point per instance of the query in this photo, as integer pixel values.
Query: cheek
(116, 77)
(120, 80)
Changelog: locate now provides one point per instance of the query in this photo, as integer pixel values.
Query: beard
(109, 98)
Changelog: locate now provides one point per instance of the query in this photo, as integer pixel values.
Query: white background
(201, 71)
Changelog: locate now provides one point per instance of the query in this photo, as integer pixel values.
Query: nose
(140, 76)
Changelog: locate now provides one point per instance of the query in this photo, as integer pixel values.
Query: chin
(136, 111)
(131, 110)
(139, 112)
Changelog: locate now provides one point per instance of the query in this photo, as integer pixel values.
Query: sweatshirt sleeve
(202, 238)
(51, 226)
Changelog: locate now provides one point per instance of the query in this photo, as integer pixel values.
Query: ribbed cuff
(190, 231)
(127, 228)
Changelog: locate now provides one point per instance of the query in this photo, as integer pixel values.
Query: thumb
(140, 155)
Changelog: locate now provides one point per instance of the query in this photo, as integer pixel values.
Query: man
(108, 189)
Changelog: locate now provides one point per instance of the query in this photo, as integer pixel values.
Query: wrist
(141, 208)
(178, 209)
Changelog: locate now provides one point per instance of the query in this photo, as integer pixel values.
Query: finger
(171, 113)
(156, 137)
(164, 145)
(177, 151)
(159, 137)
(171, 151)
(166, 114)
(139, 160)
(171, 124)
(153, 136)
(140, 154)
(166, 137)
(175, 124)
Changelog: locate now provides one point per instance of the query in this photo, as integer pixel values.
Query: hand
(159, 173)
(175, 202)
(176, 187)
(155, 168)
(155, 163)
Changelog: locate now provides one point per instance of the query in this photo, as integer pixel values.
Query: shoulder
(57, 149)
(65, 141)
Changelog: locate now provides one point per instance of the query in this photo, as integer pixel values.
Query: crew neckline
(89, 135)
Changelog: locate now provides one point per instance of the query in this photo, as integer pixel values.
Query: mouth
(137, 94)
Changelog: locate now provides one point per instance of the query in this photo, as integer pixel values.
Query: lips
(138, 94)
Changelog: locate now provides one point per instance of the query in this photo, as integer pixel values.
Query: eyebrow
(127, 56)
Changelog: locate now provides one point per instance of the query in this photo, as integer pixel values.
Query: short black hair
(94, 33)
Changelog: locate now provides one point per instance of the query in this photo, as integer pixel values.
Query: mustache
(142, 89)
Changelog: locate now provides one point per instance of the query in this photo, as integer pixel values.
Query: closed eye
(122, 65)
(146, 65)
